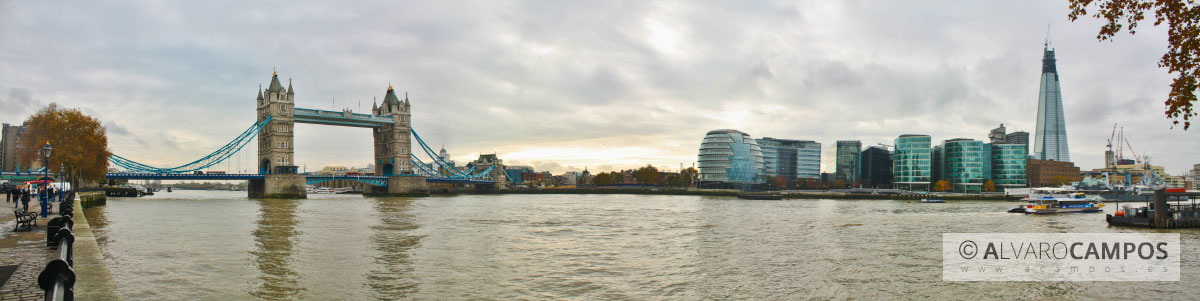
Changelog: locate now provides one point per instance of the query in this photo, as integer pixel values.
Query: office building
(911, 162)
(846, 168)
(997, 134)
(1050, 137)
(962, 164)
(1008, 165)
(10, 138)
(875, 170)
(791, 158)
(1021, 138)
(730, 158)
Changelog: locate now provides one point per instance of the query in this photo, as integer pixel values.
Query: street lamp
(45, 176)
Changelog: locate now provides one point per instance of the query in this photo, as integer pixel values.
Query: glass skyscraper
(1050, 137)
(911, 162)
(730, 156)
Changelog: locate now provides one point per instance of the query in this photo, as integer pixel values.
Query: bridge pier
(278, 186)
(401, 186)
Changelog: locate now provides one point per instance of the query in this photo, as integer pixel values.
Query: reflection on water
(274, 235)
(392, 277)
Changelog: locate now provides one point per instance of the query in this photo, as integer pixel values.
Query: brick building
(1049, 173)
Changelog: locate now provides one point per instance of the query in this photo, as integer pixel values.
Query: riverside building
(847, 160)
(791, 159)
(963, 164)
(876, 168)
(730, 158)
(1008, 165)
(911, 162)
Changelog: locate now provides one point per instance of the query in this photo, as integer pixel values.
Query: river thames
(219, 245)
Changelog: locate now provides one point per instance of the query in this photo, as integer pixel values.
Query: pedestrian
(8, 195)
(25, 200)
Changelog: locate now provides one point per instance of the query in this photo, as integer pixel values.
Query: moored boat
(932, 201)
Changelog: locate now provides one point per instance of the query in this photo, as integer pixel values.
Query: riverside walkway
(28, 252)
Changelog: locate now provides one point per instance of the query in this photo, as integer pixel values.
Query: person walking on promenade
(25, 200)
(8, 195)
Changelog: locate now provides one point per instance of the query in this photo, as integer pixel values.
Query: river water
(219, 245)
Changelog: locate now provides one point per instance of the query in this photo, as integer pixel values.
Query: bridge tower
(393, 146)
(275, 147)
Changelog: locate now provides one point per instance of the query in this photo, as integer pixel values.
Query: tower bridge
(398, 171)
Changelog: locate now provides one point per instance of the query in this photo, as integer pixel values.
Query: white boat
(1051, 200)
(932, 201)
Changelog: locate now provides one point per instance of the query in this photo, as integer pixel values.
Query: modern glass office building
(809, 160)
(791, 158)
(1008, 165)
(911, 162)
(730, 157)
(875, 170)
(847, 156)
(963, 164)
(1050, 137)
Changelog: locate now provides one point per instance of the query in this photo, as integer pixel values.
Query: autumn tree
(78, 141)
(1183, 36)
(941, 186)
(1060, 180)
(646, 175)
(989, 186)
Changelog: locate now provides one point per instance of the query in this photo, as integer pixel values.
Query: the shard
(1050, 137)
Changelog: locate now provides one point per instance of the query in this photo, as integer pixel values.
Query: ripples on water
(220, 246)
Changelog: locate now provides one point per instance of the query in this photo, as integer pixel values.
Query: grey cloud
(179, 77)
(17, 105)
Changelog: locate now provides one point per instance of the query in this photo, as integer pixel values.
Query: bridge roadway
(311, 178)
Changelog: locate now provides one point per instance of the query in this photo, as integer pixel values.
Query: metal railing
(58, 278)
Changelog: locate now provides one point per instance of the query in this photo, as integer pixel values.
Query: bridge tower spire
(275, 144)
(393, 143)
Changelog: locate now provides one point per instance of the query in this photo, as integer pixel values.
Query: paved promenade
(25, 249)
(28, 250)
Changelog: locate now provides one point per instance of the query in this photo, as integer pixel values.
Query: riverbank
(93, 280)
(734, 193)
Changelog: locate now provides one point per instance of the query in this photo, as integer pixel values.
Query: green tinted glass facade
(911, 162)
(1008, 165)
(963, 165)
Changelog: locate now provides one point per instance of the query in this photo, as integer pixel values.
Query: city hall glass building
(911, 162)
(730, 158)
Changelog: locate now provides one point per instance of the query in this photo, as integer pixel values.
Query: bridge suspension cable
(220, 155)
(447, 170)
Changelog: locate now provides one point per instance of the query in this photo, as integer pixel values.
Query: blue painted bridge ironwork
(309, 178)
(438, 170)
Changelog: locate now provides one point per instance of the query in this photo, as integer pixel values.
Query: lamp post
(61, 171)
(45, 176)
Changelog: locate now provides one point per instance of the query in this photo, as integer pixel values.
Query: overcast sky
(565, 84)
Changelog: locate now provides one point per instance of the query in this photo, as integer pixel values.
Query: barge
(1178, 210)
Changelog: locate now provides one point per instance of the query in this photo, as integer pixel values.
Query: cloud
(617, 84)
(18, 104)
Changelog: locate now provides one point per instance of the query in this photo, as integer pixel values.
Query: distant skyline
(563, 85)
